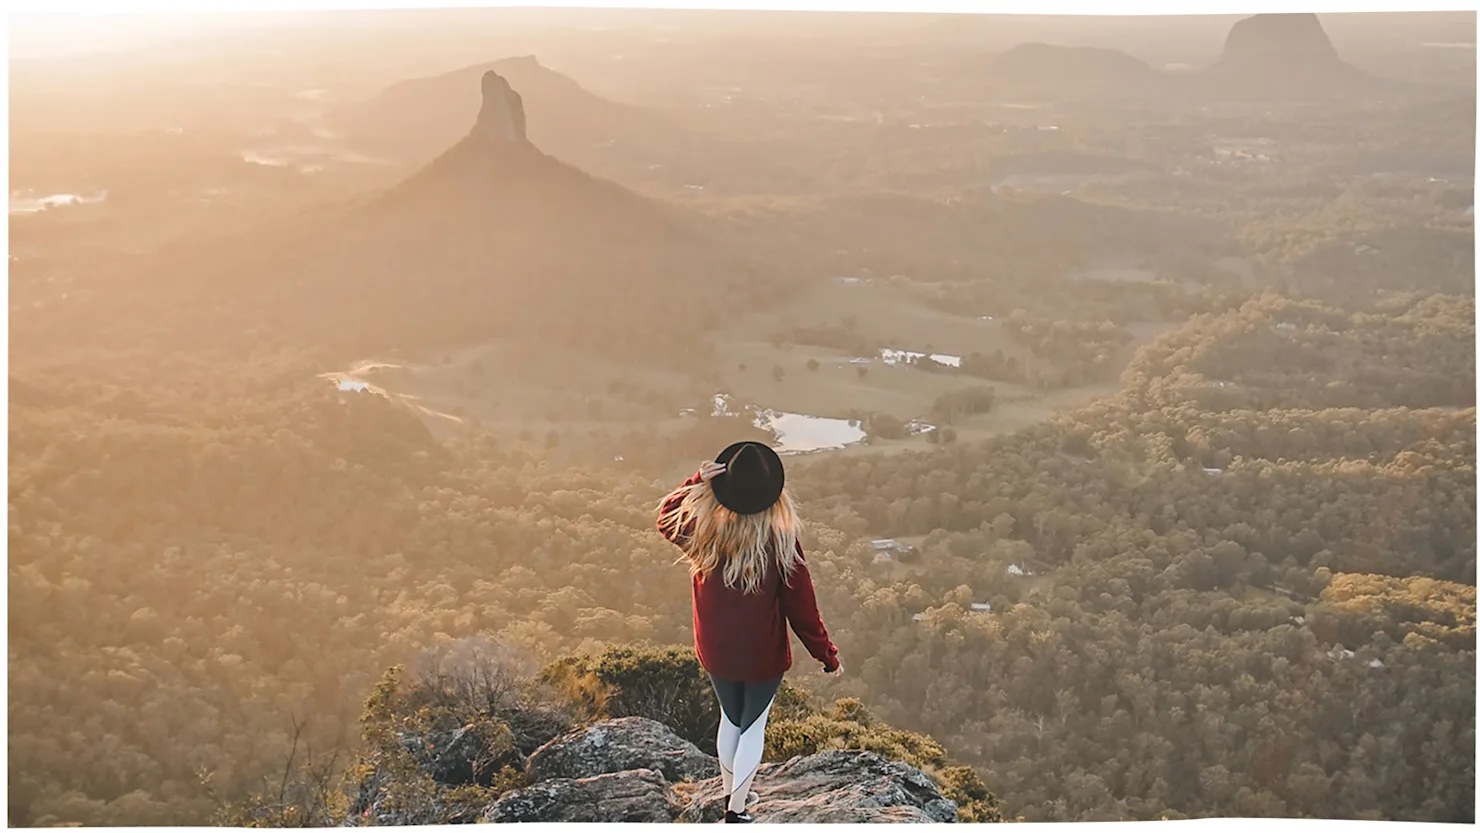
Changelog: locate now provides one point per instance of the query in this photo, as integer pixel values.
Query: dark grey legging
(742, 733)
(744, 703)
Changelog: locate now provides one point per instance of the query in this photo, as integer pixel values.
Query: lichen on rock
(621, 744)
(840, 786)
(635, 769)
(638, 795)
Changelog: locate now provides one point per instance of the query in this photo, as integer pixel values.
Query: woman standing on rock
(736, 525)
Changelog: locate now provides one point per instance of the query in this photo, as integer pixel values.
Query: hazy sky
(47, 28)
(45, 35)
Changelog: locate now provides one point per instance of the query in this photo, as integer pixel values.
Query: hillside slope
(492, 239)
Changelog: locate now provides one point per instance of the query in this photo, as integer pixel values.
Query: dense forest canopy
(1292, 585)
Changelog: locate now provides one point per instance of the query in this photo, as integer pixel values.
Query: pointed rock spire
(501, 118)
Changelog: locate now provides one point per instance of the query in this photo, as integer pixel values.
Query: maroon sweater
(742, 636)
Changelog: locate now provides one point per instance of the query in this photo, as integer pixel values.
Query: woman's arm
(799, 605)
(670, 503)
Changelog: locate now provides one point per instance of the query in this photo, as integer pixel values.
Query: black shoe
(732, 817)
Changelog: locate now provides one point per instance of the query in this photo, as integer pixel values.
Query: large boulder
(836, 787)
(639, 795)
(626, 743)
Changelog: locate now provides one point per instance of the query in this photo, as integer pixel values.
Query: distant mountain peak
(1070, 60)
(417, 118)
(1282, 39)
(1284, 57)
(501, 117)
(520, 61)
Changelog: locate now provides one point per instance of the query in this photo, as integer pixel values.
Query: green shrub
(849, 725)
(663, 684)
(477, 686)
(975, 803)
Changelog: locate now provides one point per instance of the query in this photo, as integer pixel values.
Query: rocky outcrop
(638, 770)
(627, 743)
(639, 795)
(501, 118)
(834, 787)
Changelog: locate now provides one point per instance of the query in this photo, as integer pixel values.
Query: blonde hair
(742, 545)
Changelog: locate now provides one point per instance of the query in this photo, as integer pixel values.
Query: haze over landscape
(1124, 369)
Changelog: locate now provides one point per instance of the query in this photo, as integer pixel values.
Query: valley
(1123, 370)
(515, 395)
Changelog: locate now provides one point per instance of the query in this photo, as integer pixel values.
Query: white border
(1114, 8)
(48, 10)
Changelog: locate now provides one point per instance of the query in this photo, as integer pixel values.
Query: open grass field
(886, 312)
(884, 309)
(513, 391)
(880, 312)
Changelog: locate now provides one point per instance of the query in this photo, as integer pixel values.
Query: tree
(885, 426)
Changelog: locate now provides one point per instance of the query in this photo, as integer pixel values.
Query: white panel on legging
(748, 754)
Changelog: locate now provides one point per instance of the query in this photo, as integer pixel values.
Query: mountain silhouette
(1271, 57)
(492, 239)
(415, 119)
(420, 117)
(1073, 71)
(1266, 57)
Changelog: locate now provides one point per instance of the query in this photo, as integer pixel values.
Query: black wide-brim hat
(752, 480)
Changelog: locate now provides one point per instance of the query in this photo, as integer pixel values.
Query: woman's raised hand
(709, 470)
